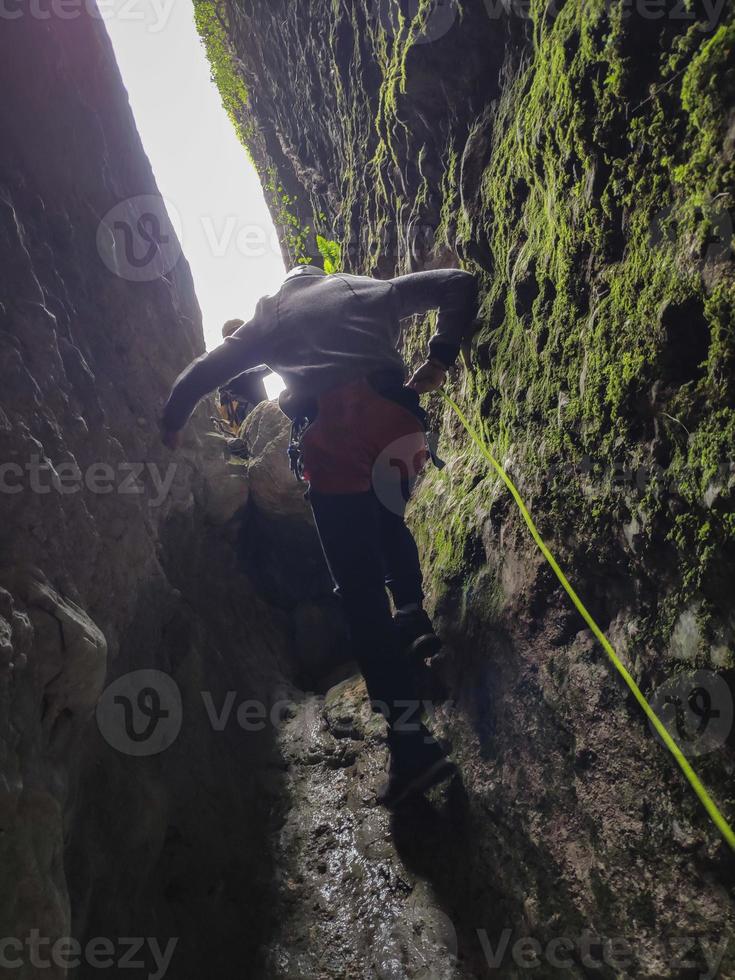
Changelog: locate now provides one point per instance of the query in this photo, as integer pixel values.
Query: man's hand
(429, 377)
(172, 438)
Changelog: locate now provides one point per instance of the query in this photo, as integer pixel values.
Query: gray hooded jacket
(320, 331)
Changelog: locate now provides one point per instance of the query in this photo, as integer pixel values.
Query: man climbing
(359, 429)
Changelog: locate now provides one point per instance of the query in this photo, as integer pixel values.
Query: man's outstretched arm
(243, 350)
(454, 294)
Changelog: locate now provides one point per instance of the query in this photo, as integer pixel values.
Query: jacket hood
(305, 270)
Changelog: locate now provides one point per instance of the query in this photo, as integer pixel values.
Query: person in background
(360, 435)
(240, 395)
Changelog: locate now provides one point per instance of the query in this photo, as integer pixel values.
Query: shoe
(414, 771)
(417, 637)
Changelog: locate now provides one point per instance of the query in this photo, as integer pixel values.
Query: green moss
(225, 75)
(294, 236)
(591, 228)
(598, 206)
(448, 230)
(708, 91)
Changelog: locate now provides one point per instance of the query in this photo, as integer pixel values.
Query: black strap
(389, 384)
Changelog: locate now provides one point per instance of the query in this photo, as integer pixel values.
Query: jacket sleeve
(452, 292)
(246, 348)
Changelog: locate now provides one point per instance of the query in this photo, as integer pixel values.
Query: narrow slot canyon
(190, 769)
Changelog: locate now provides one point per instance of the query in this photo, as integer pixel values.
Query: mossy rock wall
(578, 157)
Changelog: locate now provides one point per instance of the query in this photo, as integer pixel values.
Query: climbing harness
(390, 384)
(299, 428)
(303, 412)
(710, 806)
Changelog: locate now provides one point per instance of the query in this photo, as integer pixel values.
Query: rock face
(580, 159)
(280, 542)
(164, 770)
(121, 592)
(351, 889)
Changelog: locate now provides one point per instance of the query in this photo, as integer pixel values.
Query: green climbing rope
(694, 781)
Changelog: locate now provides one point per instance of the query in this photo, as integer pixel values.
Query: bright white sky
(201, 167)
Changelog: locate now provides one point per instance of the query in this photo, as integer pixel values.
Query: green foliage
(219, 51)
(608, 330)
(294, 236)
(331, 253)
(708, 89)
(599, 205)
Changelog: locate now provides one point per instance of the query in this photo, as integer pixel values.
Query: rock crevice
(579, 159)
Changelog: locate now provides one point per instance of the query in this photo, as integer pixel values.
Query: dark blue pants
(367, 546)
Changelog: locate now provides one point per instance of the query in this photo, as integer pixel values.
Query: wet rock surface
(577, 158)
(545, 153)
(117, 559)
(278, 542)
(347, 905)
